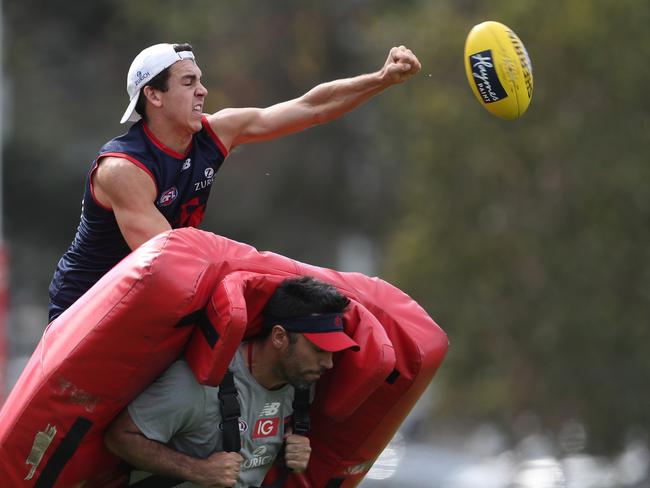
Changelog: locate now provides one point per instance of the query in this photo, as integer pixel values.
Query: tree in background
(529, 240)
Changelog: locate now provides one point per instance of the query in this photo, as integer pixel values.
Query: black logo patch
(485, 77)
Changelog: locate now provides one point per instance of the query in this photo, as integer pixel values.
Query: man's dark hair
(302, 296)
(158, 82)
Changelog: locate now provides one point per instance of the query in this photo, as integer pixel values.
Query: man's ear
(152, 95)
(279, 337)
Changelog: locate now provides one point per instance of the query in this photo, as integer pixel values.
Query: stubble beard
(293, 374)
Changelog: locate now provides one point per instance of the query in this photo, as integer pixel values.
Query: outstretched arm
(124, 439)
(321, 104)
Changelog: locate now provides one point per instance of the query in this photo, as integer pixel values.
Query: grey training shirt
(179, 412)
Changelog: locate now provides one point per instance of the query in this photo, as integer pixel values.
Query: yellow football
(498, 69)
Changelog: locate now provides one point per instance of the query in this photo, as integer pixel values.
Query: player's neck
(168, 135)
(260, 361)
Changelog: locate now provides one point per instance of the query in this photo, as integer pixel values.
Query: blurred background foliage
(527, 241)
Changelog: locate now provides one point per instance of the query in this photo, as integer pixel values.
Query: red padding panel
(226, 313)
(358, 374)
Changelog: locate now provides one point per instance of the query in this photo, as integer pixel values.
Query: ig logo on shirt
(266, 427)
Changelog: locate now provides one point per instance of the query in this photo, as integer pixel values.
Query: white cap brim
(130, 115)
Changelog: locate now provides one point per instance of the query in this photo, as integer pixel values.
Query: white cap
(150, 62)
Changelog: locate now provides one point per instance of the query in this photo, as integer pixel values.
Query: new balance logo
(270, 409)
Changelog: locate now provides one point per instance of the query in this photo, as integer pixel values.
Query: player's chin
(312, 377)
(195, 122)
(304, 381)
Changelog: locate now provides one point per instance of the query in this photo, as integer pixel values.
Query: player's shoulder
(115, 162)
(179, 379)
(180, 369)
(119, 169)
(230, 123)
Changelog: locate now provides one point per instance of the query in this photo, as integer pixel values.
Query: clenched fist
(400, 65)
(220, 469)
(296, 452)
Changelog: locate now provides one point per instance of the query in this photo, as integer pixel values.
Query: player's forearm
(331, 100)
(154, 457)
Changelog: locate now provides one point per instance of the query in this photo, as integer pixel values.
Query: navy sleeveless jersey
(183, 183)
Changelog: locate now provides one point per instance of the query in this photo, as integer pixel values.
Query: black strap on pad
(200, 319)
(230, 413)
(63, 453)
